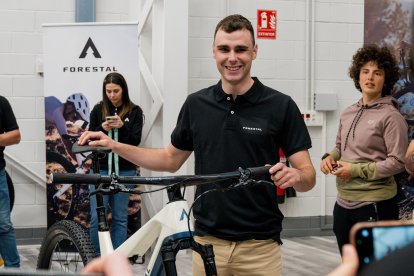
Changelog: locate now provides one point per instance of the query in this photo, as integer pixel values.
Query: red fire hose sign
(266, 24)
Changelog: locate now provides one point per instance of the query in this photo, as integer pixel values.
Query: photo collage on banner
(388, 23)
(77, 57)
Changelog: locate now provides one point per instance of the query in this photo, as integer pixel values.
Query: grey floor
(301, 256)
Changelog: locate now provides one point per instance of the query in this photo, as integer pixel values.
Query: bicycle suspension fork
(169, 252)
(100, 208)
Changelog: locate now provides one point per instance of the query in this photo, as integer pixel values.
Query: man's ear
(255, 50)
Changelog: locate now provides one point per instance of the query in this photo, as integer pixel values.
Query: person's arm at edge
(111, 265)
(409, 158)
(10, 138)
(349, 265)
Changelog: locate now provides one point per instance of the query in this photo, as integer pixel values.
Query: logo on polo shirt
(252, 129)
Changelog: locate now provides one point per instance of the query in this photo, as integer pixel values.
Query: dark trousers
(344, 219)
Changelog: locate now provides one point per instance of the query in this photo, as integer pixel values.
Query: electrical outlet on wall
(312, 117)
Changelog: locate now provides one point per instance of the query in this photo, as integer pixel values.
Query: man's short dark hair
(233, 23)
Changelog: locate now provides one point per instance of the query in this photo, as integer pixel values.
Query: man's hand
(284, 176)
(301, 176)
(94, 139)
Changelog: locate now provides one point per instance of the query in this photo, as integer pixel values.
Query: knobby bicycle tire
(62, 207)
(66, 248)
(11, 190)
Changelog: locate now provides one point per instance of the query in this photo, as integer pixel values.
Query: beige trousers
(251, 257)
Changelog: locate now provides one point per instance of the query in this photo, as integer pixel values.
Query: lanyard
(115, 133)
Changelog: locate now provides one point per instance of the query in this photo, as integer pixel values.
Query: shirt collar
(251, 96)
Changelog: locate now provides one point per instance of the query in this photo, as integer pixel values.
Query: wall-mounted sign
(266, 24)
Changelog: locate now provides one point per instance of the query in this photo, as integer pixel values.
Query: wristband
(325, 155)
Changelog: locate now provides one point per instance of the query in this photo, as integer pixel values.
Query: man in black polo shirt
(238, 122)
(9, 135)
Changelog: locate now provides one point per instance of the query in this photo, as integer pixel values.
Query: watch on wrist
(325, 155)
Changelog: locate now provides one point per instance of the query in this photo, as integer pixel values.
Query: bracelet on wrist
(325, 155)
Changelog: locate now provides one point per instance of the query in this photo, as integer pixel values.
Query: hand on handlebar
(94, 139)
(284, 176)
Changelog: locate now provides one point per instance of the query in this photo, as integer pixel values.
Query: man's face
(234, 53)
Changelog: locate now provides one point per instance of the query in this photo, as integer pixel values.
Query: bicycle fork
(169, 252)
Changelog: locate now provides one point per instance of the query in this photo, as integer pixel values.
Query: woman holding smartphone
(117, 116)
(370, 145)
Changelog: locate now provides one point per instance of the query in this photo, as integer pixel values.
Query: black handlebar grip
(259, 172)
(74, 178)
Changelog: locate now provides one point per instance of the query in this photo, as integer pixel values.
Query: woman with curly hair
(370, 145)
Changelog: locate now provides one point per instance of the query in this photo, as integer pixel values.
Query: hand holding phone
(335, 167)
(375, 240)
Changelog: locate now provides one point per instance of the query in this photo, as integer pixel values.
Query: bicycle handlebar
(183, 180)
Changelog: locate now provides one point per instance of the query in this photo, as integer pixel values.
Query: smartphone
(108, 118)
(335, 167)
(375, 240)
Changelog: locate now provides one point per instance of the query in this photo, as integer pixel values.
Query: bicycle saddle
(76, 148)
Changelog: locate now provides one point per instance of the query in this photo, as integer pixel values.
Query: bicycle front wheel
(66, 247)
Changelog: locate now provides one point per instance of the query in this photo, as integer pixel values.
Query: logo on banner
(88, 48)
(266, 24)
(90, 45)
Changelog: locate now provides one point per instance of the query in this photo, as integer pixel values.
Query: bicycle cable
(242, 183)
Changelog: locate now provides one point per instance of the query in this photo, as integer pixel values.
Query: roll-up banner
(76, 59)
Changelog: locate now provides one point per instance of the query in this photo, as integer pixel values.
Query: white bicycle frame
(171, 222)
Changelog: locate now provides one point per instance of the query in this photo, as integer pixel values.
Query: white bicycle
(67, 246)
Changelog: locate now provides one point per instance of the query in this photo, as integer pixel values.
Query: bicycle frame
(171, 225)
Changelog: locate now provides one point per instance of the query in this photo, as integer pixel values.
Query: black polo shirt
(247, 132)
(7, 123)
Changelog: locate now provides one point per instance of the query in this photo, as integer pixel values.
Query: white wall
(280, 64)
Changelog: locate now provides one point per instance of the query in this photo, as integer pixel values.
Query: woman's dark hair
(233, 23)
(411, 51)
(127, 104)
(384, 59)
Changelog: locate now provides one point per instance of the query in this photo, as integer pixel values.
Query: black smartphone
(375, 240)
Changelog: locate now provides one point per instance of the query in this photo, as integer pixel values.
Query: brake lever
(247, 182)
